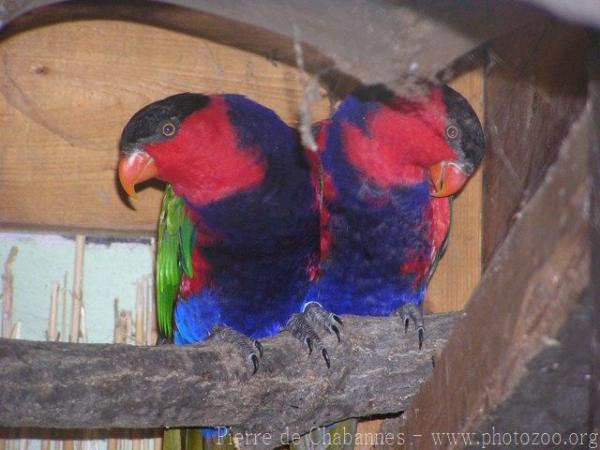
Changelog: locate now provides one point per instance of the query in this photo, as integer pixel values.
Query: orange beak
(448, 178)
(136, 168)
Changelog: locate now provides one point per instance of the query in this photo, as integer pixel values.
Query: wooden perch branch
(376, 369)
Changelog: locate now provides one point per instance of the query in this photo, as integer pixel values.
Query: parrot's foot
(302, 326)
(412, 312)
(161, 340)
(252, 349)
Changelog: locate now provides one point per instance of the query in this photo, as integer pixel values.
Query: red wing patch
(440, 211)
(324, 186)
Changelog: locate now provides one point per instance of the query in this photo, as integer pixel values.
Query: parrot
(390, 163)
(238, 233)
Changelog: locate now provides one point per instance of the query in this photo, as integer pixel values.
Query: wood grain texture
(69, 88)
(52, 385)
(535, 88)
(374, 40)
(460, 269)
(525, 295)
(594, 67)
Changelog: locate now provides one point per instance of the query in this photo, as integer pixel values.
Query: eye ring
(452, 132)
(168, 129)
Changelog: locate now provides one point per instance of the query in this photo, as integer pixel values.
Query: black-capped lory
(391, 164)
(238, 237)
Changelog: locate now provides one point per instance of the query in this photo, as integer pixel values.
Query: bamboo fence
(129, 328)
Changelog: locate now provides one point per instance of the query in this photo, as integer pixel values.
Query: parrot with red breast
(238, 234)
(390, 165)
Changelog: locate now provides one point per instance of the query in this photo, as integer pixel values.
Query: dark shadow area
(553, 399)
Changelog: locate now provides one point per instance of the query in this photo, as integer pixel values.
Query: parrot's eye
(168, 129)
(452, 132)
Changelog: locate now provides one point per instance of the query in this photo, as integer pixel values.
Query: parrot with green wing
(238, 234)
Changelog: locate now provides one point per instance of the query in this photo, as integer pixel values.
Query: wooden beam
(532, 100)
(525, 295)
(594, 64)
(373, 40)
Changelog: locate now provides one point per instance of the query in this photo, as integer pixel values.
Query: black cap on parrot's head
(154, 123)
(206, 147)
(469, 142)
(464, 134)
(148, 124)
(428, 124)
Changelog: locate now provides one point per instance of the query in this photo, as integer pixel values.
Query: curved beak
(135, 168)
(447, 178)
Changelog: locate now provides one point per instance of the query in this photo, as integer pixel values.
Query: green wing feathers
(176, 234)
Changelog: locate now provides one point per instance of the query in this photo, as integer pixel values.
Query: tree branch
(376, 369)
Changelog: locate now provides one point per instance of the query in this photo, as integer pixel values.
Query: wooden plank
(69, 88)
(594, 64)
(535, 88)
(554, 393)
(525, 295)
(373, 40)
(460, 269)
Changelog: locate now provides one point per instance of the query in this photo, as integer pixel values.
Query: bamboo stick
(7, 292)
(136, 442)
(82, 324)
(112, 444)
(140, 301)
(77, 289)
(64, 308)
(77, 301)
(52, 332)
(129, 337)
(16, 331)
(149, 312)
(140, 306)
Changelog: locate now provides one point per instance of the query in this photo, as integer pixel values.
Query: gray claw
(318, 316)
(252, 349)
(259, 347)
(411, 312)
(326, 358)
(337, 332)
(309, 344)
(302, 330)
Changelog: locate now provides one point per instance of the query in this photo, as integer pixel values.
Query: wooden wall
(538, 81)
(534, 229)
(69, 87)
